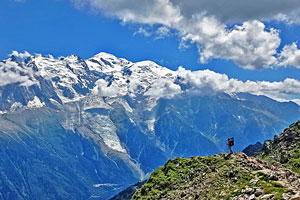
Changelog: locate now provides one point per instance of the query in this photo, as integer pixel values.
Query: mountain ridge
(104, 118)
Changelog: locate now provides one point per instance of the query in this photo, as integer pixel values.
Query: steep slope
(223, 176)
(285, 148)
(97, 126)
(42, 160)
(128, 193)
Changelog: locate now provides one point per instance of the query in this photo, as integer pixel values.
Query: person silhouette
(230, 143)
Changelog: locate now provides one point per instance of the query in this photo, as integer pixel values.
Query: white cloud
(249, 45)
(290, 56)
(162, 32)
(171, 11)
(297, 101)
(230, 11)
(105, 90)
(20, 56)
(145, 11)
(208, 82)
(203, 22)
(164, 88)
(143, 31)
(11, 72)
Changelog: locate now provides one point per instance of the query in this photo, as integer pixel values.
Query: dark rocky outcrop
(128, 193)
(285, 148)
(253, 148)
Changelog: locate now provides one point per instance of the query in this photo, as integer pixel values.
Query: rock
(295, 197)
(267, 146)
(286, 196)
(273, 177)
(267, 196)
(252, 197)
(251, 149)
(284, 156)
(248, 191)
(258, 192)
(254, 181)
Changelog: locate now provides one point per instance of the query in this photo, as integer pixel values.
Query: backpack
(231, 142)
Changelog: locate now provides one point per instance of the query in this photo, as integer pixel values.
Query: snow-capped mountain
(76, 129)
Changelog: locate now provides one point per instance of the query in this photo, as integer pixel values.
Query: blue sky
(61, 28)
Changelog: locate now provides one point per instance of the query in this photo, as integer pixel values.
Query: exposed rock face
(42, 160)
(128, 193)
(223, 176)
(285, 148)
(253, 148)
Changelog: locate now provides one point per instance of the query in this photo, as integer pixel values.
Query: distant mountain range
(78, 129)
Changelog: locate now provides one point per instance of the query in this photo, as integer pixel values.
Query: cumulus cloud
(208, 82)
(145, 11)
(230, 11)
(290, 56)
(105, 90)
(164, 88)
(172, 11)
(20, 56)
(249, 45)
(203, 22)
(11, 72)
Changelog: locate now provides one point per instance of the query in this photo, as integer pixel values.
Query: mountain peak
(105, 55)
(107, 62)
(18, 56)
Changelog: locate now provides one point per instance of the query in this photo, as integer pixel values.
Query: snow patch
(20, 56)
(104, 184)
(150, 123)
(35, 103)
(126, 105)
(113, 142)
(103, 127)
(16, 106)
(105, 90)
(297, 101)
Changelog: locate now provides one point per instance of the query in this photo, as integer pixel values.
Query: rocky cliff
(285, 148)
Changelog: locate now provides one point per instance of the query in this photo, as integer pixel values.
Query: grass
(270, 186)
(210, 177)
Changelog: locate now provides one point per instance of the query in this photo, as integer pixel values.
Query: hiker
(230, 144)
